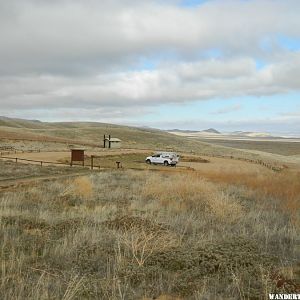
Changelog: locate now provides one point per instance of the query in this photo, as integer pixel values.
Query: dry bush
(187, 193)
(83, 187)
(142, 244)
(142, 237)
(225, 207)
(80, 186)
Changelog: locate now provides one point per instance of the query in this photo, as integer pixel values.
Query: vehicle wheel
(148, 161)
(166, 163)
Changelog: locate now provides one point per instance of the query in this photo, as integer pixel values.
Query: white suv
(165, 158)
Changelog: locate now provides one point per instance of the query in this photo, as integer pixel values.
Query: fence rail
(42, 162)
(272, 166)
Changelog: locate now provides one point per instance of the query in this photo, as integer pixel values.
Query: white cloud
(291, 114)
(86, 36)
(183, 82)
(83, 54)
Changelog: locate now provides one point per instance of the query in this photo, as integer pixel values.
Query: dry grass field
(276, 147)
(141, 235)
(11, 171)
(211, 228)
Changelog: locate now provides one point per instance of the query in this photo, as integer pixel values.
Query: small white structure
(113, 143)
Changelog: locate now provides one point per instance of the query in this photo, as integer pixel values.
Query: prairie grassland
(145, 235)
(277, 147)
(284, 186)
(9, 170)
(23, 145)
(134, 138)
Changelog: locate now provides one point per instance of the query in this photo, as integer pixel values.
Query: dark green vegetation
(129, 235)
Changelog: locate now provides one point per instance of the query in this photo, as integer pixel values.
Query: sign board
(77, 155)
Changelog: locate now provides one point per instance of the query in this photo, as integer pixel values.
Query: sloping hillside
(91, 133)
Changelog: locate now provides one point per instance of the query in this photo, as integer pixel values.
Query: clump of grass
(192, 194)
(125, 223)
(83, 187)
(196, 159)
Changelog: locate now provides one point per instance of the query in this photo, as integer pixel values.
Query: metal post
(109, 143)
(92, 162)
(104, 141)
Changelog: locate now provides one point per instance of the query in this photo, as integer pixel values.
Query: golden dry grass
(82, 186)
(283, 186)
(143, 235)
(192, 193)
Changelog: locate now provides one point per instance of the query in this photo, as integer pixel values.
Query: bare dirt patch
(224, 165)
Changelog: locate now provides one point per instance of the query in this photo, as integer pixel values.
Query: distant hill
(19, 123)
(211, 130)
(91, 133)
(250, 134)
(182, 131)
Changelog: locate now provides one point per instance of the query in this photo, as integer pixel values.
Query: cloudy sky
(189, 64)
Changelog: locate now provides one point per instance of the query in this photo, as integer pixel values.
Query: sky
(187, 64)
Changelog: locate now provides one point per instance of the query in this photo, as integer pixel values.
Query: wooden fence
(271, 166)
(11, 150)
(42, 162)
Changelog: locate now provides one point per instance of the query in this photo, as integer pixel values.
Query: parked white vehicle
(164, 158)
